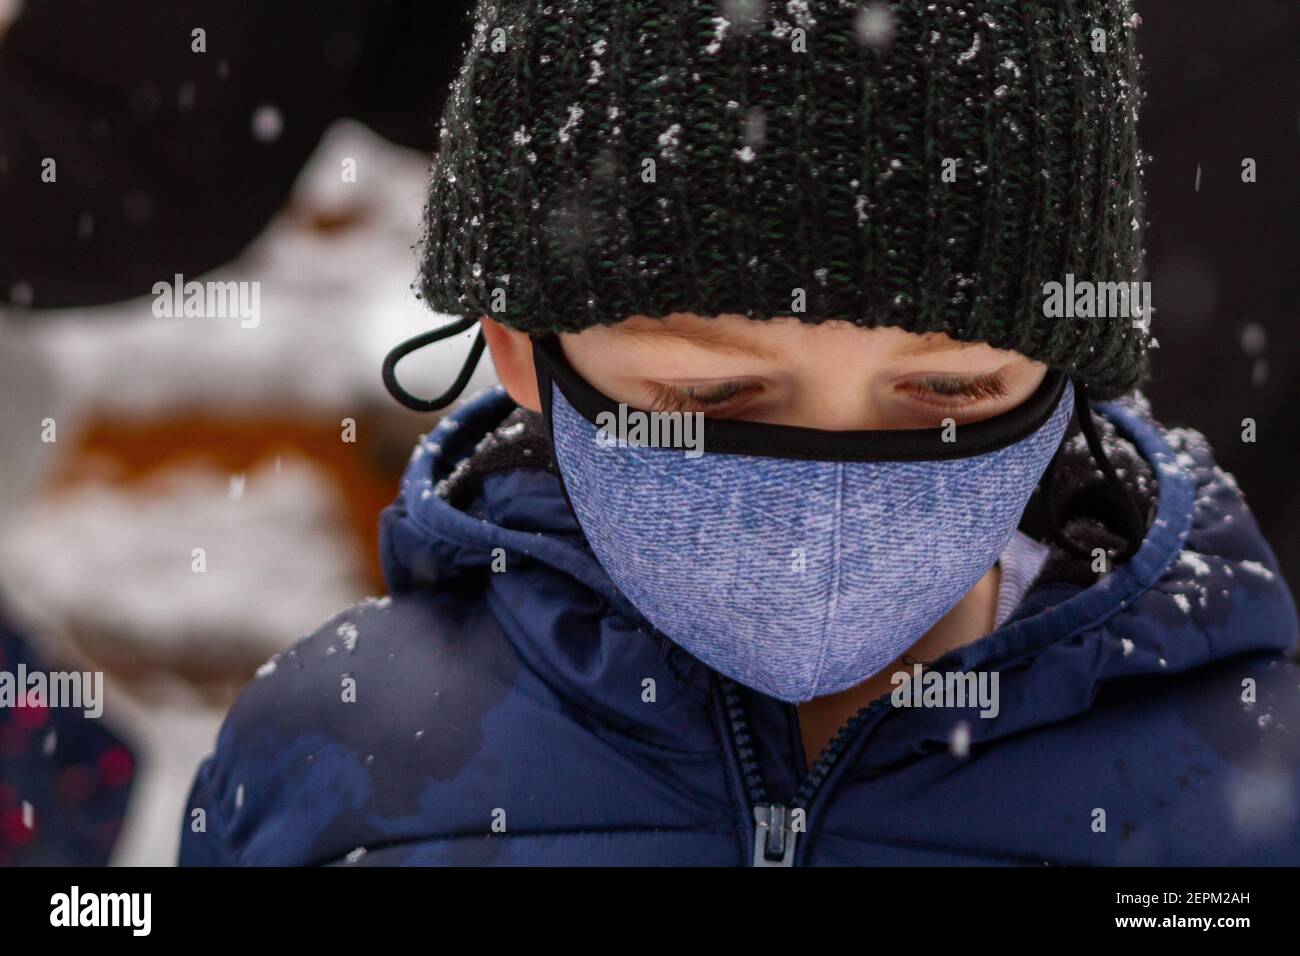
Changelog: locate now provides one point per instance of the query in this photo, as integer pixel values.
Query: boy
(916, 602)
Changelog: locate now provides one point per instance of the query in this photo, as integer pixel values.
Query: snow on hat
(928, 165)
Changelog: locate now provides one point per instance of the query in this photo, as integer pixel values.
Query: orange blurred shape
(123, 452)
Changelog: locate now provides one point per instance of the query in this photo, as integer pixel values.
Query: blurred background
(290, 148)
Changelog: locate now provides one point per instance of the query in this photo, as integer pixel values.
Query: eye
(955, 391)
(712, 397)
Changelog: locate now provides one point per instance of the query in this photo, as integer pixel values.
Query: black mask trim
(733, 437)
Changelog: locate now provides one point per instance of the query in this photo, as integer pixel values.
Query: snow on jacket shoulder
(506, 705)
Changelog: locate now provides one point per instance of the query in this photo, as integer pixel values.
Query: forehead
(738, 333)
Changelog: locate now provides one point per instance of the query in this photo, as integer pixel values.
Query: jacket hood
(1204, 585)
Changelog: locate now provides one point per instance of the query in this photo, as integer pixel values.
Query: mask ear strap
(420, 341)
(1132, 516)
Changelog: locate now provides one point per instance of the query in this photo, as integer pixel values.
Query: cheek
(1023, 380)
(601, 364)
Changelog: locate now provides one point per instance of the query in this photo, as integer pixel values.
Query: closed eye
(948, 393)
(712, 397)
(956, 391)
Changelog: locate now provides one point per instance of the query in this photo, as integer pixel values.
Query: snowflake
(348, 631)
(669, 139)
(575, 116)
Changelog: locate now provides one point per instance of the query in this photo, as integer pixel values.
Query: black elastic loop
(1136, 526)
(419, 342)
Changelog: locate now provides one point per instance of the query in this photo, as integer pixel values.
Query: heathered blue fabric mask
(797, 561)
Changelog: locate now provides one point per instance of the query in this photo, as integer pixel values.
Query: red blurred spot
(74, 784)
(32, 715)
(13, 739)
(115, 766)
(13, 830)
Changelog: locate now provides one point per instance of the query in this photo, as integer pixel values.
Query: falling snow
(959, 740)
(874, 26)
(268, 124)
(1253, 339)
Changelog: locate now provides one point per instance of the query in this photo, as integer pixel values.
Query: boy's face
(832, 376)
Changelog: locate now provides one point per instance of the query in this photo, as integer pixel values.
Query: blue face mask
(796, 561)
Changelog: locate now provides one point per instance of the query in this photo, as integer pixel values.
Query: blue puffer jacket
(504, 718)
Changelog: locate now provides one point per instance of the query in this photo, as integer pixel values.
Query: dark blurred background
(224, 163)
(1223, 85)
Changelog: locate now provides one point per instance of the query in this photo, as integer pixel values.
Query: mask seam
(836, 544)
(986, 467)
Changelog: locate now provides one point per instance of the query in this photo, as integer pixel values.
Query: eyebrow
(714, 338)
(936, 345)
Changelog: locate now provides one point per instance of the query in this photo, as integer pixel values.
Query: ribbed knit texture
(778, 170)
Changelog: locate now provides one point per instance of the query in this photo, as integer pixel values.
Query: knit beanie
(931, 165)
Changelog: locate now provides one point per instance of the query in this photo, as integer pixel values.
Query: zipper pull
(773, 838)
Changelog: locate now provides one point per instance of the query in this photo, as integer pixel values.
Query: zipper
(773, 839)
(774, 836)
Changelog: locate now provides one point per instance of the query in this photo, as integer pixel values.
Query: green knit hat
(925, 164)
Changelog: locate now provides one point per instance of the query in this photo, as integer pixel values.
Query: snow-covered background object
(180, 433)
(334, 271)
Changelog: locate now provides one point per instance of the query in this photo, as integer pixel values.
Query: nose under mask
(796, 561)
